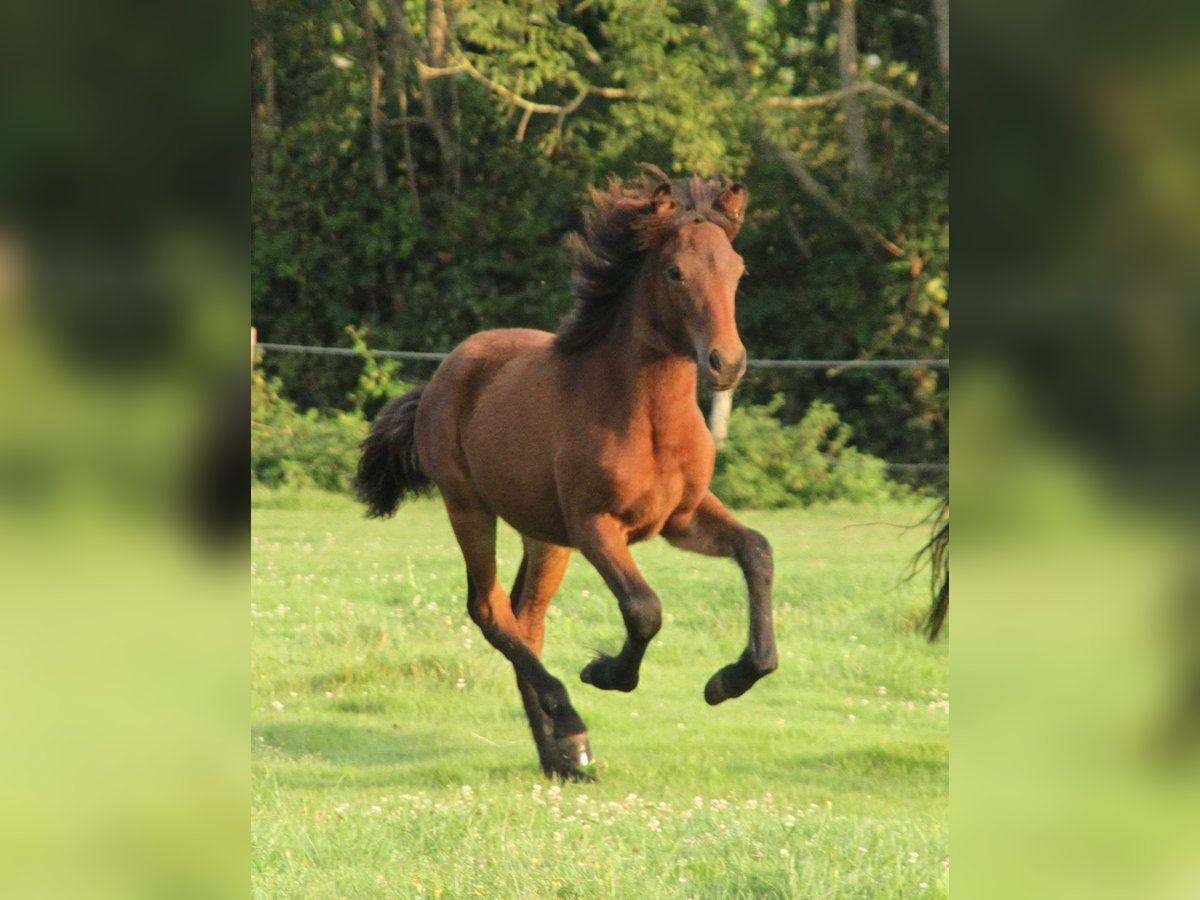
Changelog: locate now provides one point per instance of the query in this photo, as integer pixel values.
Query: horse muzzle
(723, 371)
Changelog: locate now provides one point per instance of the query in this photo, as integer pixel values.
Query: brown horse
(592, 439)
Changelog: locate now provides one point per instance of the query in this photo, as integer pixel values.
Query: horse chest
(664, 478)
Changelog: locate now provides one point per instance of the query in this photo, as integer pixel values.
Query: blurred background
(413, 170)
(1077, 261)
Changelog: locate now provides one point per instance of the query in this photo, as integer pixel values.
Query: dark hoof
(734, 680)
(572, 752)
(602, 672)
(714, 691)
(728, 683)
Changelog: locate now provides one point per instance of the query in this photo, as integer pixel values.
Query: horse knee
(755, 550)
(643, 616)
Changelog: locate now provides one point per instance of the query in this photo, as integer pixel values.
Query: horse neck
(648, 368)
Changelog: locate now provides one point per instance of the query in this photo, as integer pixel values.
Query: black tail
(388, 470)
(938, 552)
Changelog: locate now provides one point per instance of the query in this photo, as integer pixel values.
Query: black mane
(622, 226)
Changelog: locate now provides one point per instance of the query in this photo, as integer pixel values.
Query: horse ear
(733, 202)
(663, 199)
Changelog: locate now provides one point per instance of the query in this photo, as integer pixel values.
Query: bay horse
(590, 439)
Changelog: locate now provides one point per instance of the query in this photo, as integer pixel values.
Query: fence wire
(430, 356)
(753, 363)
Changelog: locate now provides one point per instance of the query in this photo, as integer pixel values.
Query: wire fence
(429, 356)
(752, 363)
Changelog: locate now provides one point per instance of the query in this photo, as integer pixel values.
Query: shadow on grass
(866, 770)
(326, 754)
(913, 763)
(349, 744)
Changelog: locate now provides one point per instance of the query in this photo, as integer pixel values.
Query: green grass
(391, 756)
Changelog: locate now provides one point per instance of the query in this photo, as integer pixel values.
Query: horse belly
(509, 445)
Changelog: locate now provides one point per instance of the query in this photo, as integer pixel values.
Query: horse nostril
(715, 361)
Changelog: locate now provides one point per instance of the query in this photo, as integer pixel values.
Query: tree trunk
(941, 35)
(398, 63)
(264, 116)
(856, 127)
(441, 98)
(375, 75)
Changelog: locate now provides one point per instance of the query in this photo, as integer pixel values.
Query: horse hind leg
(542, 569)
(491, 609)
(541, 572)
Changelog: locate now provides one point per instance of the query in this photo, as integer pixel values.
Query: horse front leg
(713, 531)
(602, 541)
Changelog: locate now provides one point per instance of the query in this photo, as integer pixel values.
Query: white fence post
(718, 416)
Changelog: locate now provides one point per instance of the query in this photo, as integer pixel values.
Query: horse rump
(388, 470)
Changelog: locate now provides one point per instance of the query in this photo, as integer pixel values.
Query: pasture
(391, 756)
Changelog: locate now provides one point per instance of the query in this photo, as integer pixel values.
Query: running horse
(590, 439)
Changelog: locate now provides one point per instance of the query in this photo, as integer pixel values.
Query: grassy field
(391, 757)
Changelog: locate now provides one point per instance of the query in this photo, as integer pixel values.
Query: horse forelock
(622, 226)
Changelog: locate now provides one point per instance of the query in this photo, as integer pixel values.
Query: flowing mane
(621, 226)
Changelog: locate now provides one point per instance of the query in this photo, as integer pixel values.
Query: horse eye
(675, 275)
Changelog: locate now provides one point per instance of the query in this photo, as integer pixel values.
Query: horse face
(701, 271)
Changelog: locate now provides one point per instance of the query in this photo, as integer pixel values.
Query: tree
(416, 166)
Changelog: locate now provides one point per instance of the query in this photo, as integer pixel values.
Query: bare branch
(610, 93)
(561, 110)
(528, 114)
(428, 72)
(862, 87)
(904, 103)
(868, 234)
(827, 99)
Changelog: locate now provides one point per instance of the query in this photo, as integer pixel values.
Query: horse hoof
(714, 691)
(599, 673)
(574, 750)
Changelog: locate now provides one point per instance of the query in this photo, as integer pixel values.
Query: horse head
(694, 273)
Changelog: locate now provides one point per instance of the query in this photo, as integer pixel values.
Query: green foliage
(764, 465)
(314, 449)
(429, 208)
(768, 465)
(378, 382)
(293, 449)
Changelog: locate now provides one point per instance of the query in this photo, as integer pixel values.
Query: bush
(293, 449)
(303, 450)
(768, 465)
(764, 465)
